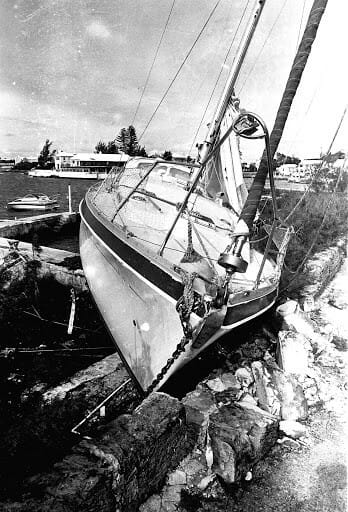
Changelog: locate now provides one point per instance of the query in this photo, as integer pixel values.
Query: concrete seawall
(27, 226)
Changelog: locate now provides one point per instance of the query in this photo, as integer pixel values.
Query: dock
(25, 226)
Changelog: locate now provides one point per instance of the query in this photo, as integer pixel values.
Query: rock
(240, 437)
(265, 392)
(153, 504)
(278, 392)
(293, 351)
(203, 484)
(230, 381)
(199, 404)
(293, 401)
(225, 465)
(248, 477)
(178, 477)
(245, 404)
(120, 468)
(294, 319)
(216, 384)
(292, 429)
(244, 377)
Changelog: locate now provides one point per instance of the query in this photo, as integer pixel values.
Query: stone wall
(119, 468)
(320, 270)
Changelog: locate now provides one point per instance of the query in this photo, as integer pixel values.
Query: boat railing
(134, 181)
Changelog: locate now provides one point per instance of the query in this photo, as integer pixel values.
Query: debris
(244, 377)
(292, 429)
(293, 351)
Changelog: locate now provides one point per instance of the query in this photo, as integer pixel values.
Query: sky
(73, 71)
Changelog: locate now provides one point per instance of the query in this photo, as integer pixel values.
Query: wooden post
(69, 197)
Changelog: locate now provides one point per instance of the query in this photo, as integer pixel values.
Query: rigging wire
(263, 46)
(153, 62)
(328, 204)
(179, 69)
(299, 29)
(320, 168)
(218, 77)
(288, 152)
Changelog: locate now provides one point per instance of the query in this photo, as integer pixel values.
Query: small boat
(169, 249)
(33, 202)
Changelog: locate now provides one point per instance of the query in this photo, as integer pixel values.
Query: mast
(221, 108)
(250, 207)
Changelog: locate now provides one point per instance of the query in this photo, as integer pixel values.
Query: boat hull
(24, 207)
(139, 309)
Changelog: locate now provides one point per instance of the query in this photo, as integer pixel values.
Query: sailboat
(170, 262)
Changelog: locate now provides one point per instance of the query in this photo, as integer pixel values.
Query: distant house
(6, 163)
(63, 160)
(310, 164)
(286, 169)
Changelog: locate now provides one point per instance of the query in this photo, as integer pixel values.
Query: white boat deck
(147, 219)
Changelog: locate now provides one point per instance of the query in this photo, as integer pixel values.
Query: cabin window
(178, 173)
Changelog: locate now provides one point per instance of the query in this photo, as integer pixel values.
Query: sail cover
(224, 176)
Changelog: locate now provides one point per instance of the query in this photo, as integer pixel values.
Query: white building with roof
(63, 159)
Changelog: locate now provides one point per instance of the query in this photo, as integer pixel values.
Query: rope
(180, 68)
(153, 62)
(191, 255)
(263, 46)
(218, 78)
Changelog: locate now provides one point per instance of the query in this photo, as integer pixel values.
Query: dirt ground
(310, 476)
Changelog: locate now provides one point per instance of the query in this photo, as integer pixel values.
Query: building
(86, 160)
(286, 169)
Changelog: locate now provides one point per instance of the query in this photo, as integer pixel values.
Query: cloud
(9, 135)
(98, 30)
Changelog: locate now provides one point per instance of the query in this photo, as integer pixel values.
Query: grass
(309, 228)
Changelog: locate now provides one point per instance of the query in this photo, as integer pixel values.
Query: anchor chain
(184, 307)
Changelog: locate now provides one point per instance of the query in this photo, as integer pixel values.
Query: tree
(331, 158)
(111, 147)
(133, 145)
(127, 141)
(45, 159)
(282, 159)
(122, 140)
(101, 147)
(142, 151)
(167, 155)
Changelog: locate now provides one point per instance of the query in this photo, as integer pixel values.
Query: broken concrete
(117, 469)
(40, 430)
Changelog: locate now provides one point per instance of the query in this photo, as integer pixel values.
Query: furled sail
(224, 176)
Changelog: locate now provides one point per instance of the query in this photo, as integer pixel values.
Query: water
(14, 185)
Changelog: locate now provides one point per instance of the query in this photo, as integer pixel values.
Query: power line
(153, 62)
(180, 68)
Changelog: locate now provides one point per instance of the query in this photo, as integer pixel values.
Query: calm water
(14, 185)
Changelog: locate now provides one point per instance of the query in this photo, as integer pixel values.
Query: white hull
(24, 207)
(141, 318)
(56, 173)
